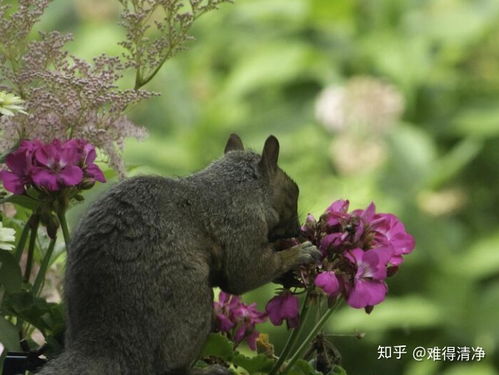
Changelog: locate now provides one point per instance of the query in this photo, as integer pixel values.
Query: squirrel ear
(270, 154)
(233, 143)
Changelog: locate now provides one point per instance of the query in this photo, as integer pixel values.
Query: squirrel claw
(309, 253)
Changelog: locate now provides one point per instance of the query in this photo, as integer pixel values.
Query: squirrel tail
(75, 363)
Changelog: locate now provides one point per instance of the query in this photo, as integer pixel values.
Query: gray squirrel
(143, 260)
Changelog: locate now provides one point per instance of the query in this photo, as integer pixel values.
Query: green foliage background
(257, 68)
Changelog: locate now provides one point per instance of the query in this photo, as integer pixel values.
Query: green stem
(307, 340)
(22, 241)
(34, 222)
(293, 337)
(64, 226)
(40, 277)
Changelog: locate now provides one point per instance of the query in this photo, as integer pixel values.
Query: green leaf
(22, 200)
(47, 317)
(258, 363)
(338, 370)
(218, 346)
(302, 367)
(9, 336)
(10, 273)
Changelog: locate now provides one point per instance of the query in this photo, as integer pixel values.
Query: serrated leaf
(218, 346)
(10, 273)
(258, 363)
(9, 336)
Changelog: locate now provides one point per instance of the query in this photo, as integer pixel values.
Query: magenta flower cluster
(237, 320)
(51, 167)
(360, 250)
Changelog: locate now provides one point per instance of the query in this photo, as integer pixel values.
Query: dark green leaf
(258, 363)
(47, 317)
(9, 336)
(218, 346)
(10, 273)
(22, 200)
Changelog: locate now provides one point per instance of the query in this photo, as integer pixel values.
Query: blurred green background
(395, 101)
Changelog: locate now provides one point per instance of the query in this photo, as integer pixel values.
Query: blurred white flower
(10, 104)
(352, 155)
(363, 102)
(6, 235)
(329, 109)
(443, 202)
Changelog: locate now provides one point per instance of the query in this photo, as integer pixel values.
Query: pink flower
(328, 282)
(389, 231)
(20, 163)
(368, 287)
(337, 212)
(284, 307)
(87, 157)
(56, 166)
(237, 320)
(309, 228)
(50, 166)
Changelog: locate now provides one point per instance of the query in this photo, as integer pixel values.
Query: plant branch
(64, 226)
(40, 277)
(309, 338)
(22, 241)
(34, 221)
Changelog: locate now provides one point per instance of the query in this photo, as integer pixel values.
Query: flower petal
(328, 282)
(12, 182)
(367, 293)
(71, 175)
(45, 178)
(93, 171)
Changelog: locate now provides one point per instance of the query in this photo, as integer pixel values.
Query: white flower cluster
(7, 236)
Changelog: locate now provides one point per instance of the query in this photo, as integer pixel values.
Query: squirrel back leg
(188, 321)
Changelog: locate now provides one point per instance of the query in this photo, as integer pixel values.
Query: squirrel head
(284, 191)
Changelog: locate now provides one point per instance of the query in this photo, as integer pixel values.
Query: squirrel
(144, 258)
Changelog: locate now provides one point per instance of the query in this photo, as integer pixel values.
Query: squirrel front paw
(303, 253)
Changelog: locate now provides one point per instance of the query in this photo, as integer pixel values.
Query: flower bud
(86, 184)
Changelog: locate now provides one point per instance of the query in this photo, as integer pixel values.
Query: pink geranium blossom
(369, 287)
(329, 283)
(284, 307)
(55, 166)
(236, 319)
(50, 166)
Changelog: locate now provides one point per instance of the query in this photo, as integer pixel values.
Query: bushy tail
(75, 363)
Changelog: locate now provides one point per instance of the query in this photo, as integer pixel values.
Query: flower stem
(34, 221)
(307, 340)
(292, 337)
(64, 226)
(22, 241)
(40, 277)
